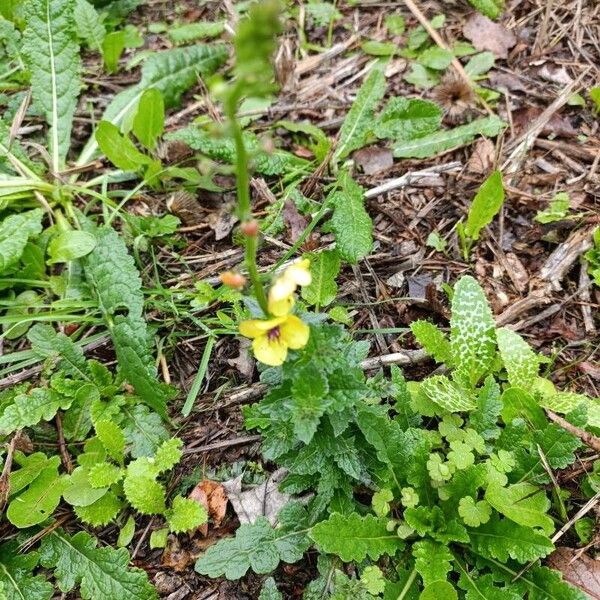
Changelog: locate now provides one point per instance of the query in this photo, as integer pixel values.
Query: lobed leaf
(16, 575)
(353, 537)
(100, 572)
(27, 410)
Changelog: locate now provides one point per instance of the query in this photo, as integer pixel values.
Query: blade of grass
(195, 389)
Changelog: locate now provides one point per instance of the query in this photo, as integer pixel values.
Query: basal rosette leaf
(16, 575)
(185, 514)
(353, 537)
(52, 55)
(472, 330)
(447, 394)
(502, 539)
(101, 573)
(29, 409)
(15, 231)
(432, 561)
(520, 361)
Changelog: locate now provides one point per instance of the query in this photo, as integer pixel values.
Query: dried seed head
(185, 206)
(233, 280)
(455, 97)
(174, 151)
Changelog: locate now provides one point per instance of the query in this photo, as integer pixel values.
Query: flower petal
(294, 332)
(281, 307)
(257, 327)
(270, 352)
(281, 289)
(299, 273)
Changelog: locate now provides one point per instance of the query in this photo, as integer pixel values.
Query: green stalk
(244, 207)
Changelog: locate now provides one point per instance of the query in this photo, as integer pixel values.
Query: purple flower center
(273, 334)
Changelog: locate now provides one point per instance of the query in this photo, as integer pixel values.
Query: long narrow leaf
(52, 55)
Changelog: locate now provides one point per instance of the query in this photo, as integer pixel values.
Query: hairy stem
(244, 208)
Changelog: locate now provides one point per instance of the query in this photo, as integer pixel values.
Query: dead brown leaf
(294, 221)
(507, 81)
(222, 221)
(579, 570)
(264, 500)
(243, 362)
(373, 159)
(482, 159)
(558, 125)
(212, 496)
(487, 35)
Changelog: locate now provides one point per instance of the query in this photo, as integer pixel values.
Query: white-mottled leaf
(472, 330)
(520, 361)
(447, 394)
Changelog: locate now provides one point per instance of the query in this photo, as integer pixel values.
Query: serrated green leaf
(15, 231)
(502, 539)
(101, 573)
(254, 546)
(324, 268)
(433, 340)
(171, 72)
(38, 501)
(359, 121)
(101, 512)
(190, 32)
(144, 493)
(48, 343)
(52, 56)
(112, 438)
(482, 587)
(17, 581)
(447, 394)
(408, 119)
(353, 537)
(104, 475)
(472, 512)
(29, 409)
(472, 330)
(437, 590)
(522, 503)
(112, 275)
(79, 491)
(185, 514)
(149, 120)
(485, 205)
(490, 8)
(144, 430)
(432, 561)
(484, 419)
(436, 143)
(350, 222)
(309, 387)
(168, 455)
(88, 24)
(269, 591)
(548, 584)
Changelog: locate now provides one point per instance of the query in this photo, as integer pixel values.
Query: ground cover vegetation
(320, 223)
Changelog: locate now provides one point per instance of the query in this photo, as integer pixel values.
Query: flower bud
(250, 228)
(233, 280)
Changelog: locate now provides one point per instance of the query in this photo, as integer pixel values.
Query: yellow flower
(281, 294)
(272, 337)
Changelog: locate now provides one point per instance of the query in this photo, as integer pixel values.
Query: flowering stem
(244, 208)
